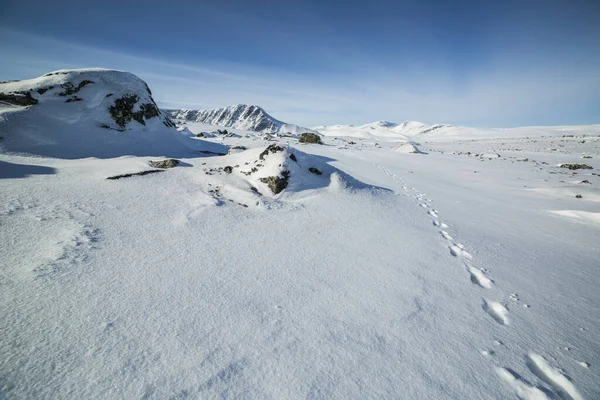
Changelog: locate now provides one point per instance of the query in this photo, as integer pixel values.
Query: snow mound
(88, 113)
(241, 116)
(409, 148)
(275, 171)
(489, 155)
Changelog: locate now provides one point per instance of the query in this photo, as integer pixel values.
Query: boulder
(277, 183)
(308, 137)
(575, 166)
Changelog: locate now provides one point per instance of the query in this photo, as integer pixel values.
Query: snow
(410, 148)
(85, 128)
(241, 116)
(390, 275)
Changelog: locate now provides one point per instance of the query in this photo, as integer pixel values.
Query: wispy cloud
(492, 94)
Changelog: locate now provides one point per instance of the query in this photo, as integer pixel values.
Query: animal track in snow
(457, 250)
(522, 388)
(478, 277)
(433, 213)
(439, 224)
(446, 235)
(552, 376)
(496, 311)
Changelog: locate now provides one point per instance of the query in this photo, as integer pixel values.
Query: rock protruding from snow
(89, 113)
(241, 116)
(164, 164)
(308, 137)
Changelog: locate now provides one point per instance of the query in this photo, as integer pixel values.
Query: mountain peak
(248, 117)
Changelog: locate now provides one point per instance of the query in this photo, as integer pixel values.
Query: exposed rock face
(122, 111)
(170, 163)
(277, 183)
(308, 137)
(18, 98)
(70, 88)
(314, 171)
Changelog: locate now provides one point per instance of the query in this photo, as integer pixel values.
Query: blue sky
(481, 63)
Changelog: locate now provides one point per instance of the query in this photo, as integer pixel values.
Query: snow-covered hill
(413, 130)
(384, 129)
(241, 116)
(88, 113)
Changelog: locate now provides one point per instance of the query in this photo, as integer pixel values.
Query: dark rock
(236, 149)
(578, 196)
(72, 99)
(169, 163)
(44, 90)
(201, 134)
(228, 169)
(151, 171)
(277, 183)
(575, 166)
(18, 98)
(122, 110)
(586, 181)
(308, 137)
(293, 157)
(273, 148)
(314, 171)
(212, 153)
(70, 89)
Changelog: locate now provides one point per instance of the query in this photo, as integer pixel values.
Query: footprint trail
(562, 386)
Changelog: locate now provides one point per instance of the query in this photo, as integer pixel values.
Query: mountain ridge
(240, 116)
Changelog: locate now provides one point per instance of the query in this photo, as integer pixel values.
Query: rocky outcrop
(277, 183)
(122, 111)
(164, 164)
(575, 166)
(18, 98)
(308, 137)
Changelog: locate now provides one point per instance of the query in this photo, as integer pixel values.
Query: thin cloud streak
(488, 96)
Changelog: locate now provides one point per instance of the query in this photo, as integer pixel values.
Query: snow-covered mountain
(87, 113)
(241, 116)
(413, 130)
(385, 129)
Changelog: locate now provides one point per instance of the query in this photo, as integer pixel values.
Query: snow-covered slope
(241, 116)
(356, 269)
(87, 113)
(384, 129)
(413, 130)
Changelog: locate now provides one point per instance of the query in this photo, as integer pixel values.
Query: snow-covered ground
(468, 270)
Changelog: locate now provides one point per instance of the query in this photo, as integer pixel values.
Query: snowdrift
(89, 113)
